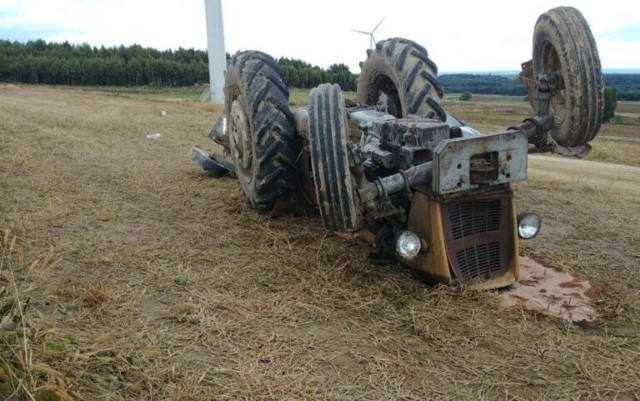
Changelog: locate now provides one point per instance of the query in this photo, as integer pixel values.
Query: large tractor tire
(333, 181)
(402, 72)
(563, 42)
(261, 129)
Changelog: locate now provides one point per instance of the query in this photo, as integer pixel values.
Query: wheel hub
(240, 137)
(551, 64)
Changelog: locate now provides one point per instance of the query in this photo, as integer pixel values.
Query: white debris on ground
(163, 113)
(550, 292)
(153, 135)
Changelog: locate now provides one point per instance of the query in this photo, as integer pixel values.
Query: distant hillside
(482, 84)
(628, 85)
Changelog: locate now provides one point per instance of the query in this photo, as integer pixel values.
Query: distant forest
(628, 85)
(40, 62)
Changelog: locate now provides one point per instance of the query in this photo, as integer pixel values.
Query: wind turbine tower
(215, 47)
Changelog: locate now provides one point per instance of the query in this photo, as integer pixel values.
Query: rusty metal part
(240, 141)
(464, 164)
(545, 92)
(368, 119)
(536, 130)
(483, 168)
(550, 82)
(358, 173)
(410, 141)
(526, 75)
(543, 82)
(413, 131)
(544, 104)
(402, 181)
(477, 234)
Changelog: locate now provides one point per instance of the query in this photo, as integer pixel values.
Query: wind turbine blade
(363, 32)
(374, 29)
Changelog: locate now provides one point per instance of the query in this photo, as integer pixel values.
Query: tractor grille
(479, 261)
(478, 237)
(474, 218)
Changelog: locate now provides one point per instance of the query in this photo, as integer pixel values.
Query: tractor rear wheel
(261, 129)
(563, 42)
(330, 161)
(401, 71)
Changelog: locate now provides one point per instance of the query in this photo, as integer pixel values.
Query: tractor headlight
(528, 225)
(408, 245)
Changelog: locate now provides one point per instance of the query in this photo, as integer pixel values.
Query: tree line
(482, 84)
(299, 74)
(40, 62)
(627, 85)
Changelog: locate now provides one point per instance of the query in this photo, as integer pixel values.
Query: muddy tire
(261, 128)
(401, 71)
(330, 165)
(562, 41)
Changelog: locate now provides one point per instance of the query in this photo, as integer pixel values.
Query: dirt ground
(148, 280)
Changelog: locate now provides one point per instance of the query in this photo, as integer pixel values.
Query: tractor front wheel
(563, 42)
(330, 159)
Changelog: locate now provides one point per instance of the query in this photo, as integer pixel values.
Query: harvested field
(147, 280)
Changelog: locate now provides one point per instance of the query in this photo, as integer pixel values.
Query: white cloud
(460, 35)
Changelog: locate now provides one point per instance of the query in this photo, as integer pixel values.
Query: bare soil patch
(547, 292)
(147, 280)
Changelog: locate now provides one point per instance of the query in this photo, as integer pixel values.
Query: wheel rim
(385, 90)
(240, 140)
(550, 63)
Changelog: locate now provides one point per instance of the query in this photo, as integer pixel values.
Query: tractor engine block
(412, 140)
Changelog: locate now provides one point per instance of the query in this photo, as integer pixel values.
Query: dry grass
(160, 283)
(24, 370)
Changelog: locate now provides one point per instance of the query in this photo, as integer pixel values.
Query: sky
(461, 36)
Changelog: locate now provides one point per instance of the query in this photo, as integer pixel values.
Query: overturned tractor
(397, 170)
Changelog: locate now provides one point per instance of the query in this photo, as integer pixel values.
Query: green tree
(340, 74)
(610, 103)
(466, 96)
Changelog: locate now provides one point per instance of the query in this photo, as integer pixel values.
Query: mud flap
(217, 168)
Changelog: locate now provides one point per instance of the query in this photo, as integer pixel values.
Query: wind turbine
(215, 46)
(372, 38)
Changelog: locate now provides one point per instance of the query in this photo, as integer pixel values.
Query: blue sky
(492, 35)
